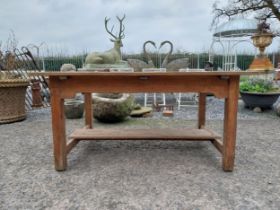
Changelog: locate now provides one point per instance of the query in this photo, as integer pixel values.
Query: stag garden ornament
(112, 57)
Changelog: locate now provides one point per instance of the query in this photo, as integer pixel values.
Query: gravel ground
(142, 174)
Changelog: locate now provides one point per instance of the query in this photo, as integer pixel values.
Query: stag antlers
(121, 32)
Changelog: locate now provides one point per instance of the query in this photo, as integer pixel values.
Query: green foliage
(256, 85)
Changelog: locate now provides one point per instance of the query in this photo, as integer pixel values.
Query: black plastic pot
(262, 100)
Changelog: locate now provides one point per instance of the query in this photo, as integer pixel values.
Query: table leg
(88, 110)
(230, 124)
(58, 128)
(201, 110)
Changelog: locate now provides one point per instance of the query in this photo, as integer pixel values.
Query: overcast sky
(75, 26)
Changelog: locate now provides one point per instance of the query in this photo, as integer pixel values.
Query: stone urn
(112, 107)
(261, 41)
(73, 109)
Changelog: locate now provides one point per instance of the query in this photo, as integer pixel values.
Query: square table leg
(58, 128)
(88, 110)
(201, 110)
(230, 124)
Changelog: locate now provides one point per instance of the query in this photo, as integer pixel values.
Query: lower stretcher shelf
(144, 134)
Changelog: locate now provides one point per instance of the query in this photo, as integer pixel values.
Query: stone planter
(73, 109)
(262, 100)
(111, 108)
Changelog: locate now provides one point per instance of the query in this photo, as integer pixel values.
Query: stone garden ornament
(174, 65)
(112, 57)
(138, 64)
(110, 107)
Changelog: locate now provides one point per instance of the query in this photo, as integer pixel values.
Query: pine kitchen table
(222, 84)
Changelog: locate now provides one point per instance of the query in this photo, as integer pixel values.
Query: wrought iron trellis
(24, 63)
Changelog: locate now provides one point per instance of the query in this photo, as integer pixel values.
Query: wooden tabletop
(188, 73)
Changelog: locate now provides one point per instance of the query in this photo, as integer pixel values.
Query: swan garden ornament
(174, 65)
(138, 64)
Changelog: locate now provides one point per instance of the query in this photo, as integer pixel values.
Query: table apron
(70, 85)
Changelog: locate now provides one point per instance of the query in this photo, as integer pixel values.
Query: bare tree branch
(263, 9)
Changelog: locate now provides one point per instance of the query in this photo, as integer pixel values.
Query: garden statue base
(261, 63)
(92, 66)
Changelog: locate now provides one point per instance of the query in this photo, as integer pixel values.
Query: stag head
(117, 38)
